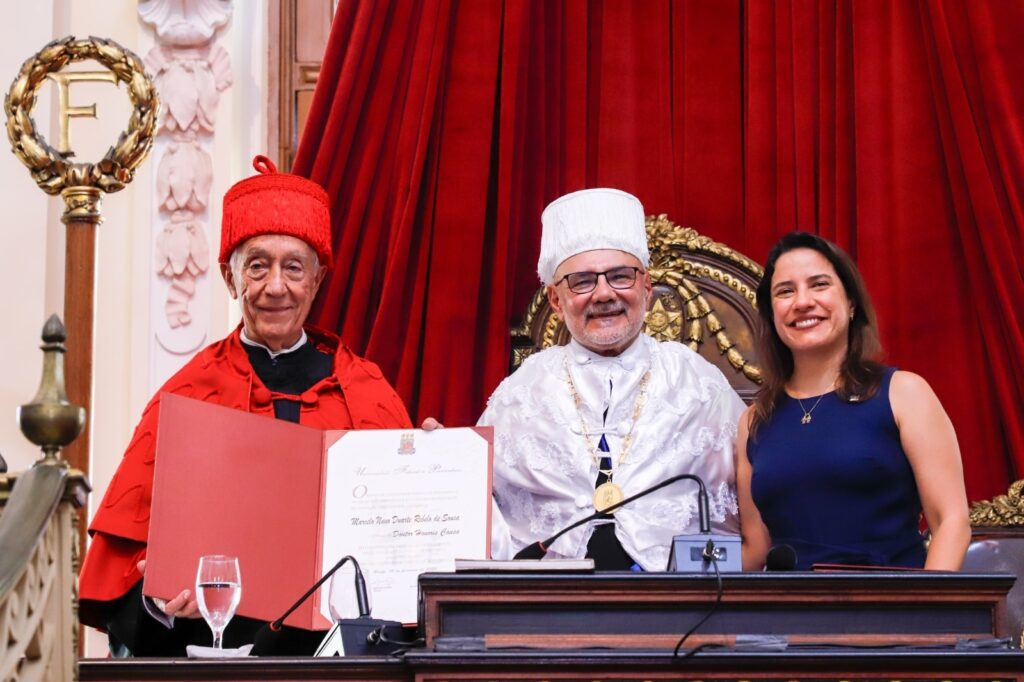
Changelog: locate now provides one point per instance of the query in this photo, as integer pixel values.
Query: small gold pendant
(806, 419)
(606, 495)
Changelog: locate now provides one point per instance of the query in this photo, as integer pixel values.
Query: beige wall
(25, 241)
(33, 244)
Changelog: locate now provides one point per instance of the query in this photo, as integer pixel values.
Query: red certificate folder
(230, 482)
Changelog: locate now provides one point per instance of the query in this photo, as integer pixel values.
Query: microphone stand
(361, 597)
(362, 636)
(708, 552)
(349, 636)
(540, 548)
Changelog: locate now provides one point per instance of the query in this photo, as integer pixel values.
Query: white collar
(274, 353)
(629, 359)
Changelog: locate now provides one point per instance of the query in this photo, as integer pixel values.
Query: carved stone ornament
(190, 80)
(51, 170)
(184, 176)
(182, 254)
(190, 72)
(185, 22)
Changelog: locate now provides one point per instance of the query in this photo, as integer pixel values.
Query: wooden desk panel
(627, 610)
(621, 666)
(586, 666)
(550, 618)
(375, 669)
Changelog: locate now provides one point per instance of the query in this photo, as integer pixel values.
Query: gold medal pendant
(606, 495)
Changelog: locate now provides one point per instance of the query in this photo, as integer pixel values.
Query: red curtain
(442, 128)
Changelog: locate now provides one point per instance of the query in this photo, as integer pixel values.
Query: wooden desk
(381, 669)
(536, 627)
(856, 666)
(587, 666)
(654, 609)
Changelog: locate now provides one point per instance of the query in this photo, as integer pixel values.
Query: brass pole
(82, 217)
(81, 184)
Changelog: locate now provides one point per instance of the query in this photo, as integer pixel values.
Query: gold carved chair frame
(703, 296)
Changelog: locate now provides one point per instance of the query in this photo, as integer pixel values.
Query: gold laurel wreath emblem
(51, 170)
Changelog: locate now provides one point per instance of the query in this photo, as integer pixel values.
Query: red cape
(354, 396)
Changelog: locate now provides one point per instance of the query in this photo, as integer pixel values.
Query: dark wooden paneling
(589, 666)
(612, 608)
(298, 37)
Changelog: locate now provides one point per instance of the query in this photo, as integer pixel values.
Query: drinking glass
(218, 591)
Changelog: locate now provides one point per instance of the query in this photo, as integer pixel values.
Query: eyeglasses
(584, 282)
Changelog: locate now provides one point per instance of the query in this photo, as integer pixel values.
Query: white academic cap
(591, 219)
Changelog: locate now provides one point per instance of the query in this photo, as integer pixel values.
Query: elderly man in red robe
(275, 250)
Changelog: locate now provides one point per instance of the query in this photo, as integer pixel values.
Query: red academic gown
(355, 396)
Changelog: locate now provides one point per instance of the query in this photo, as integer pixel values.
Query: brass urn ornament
(50, 420)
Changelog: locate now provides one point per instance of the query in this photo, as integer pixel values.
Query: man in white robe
(611, 413)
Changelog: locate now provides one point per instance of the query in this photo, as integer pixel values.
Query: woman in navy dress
(839, 455)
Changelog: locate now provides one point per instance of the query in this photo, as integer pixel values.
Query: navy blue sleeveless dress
(838, 489)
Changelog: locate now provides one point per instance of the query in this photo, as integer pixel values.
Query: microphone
(698, 552)
(780, 558)
(361, 598)
(272, 640)
(538, 549)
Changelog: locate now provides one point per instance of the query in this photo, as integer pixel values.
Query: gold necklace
(806, 419)
(608, 493)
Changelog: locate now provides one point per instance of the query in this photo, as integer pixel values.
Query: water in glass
(218, 591)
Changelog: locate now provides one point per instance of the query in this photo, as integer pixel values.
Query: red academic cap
(276, 203)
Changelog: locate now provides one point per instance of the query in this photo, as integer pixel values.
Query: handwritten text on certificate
(403, 502)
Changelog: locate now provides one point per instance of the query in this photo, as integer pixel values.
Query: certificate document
(290, 501)
(403, 502)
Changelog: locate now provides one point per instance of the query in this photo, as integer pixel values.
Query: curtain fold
(970, 53)
(442, 128)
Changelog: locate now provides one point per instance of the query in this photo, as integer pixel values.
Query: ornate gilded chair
(997, 544)
(703, 297)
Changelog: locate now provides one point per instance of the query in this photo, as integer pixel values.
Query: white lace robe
(544, 473)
